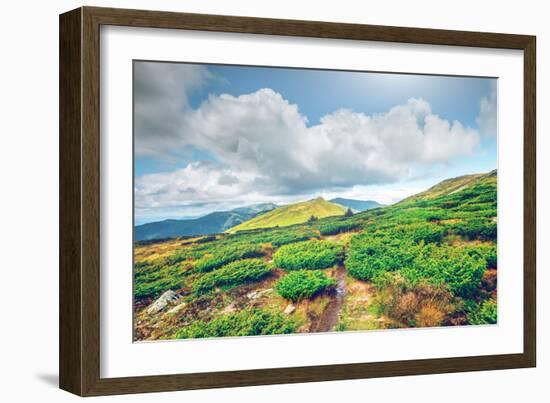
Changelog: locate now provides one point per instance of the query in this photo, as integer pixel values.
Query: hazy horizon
(137, 223)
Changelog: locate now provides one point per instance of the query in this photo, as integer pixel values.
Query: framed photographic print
(249, 201)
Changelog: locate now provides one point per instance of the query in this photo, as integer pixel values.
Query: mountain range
(269, 215)
(357, 205)
(216, 222)
(263, 215)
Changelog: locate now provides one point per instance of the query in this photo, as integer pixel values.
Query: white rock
(289, 309)
(177, 308)
(162, 301)
(252, 295)
(258, 294)
(265, 292)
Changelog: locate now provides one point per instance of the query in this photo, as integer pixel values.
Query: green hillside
(427, 261)
(453, 185)
(292, 214)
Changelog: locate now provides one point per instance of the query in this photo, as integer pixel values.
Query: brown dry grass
(419, 306)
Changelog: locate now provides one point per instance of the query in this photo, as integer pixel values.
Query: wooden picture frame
(79, 346)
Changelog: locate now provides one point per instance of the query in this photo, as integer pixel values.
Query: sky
(214, 137)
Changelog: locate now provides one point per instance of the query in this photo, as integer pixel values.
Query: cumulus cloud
(198, 181)
(160, 100)
(264, 147)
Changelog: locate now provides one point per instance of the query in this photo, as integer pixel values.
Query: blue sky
(200, 126)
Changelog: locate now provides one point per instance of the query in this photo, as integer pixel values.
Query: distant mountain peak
(212, 223)
(357, 205)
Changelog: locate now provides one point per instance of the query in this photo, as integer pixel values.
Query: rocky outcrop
(162, 302)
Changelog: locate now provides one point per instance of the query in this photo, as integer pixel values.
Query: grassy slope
(453, 185)
(169, 264)
(292, 214)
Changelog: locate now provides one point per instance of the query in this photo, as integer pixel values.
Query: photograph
(286, 200)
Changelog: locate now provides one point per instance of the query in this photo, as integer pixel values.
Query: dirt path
(330, 316)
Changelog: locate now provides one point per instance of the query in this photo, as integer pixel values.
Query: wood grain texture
(80, 200)
(70, 274)
(530, 202)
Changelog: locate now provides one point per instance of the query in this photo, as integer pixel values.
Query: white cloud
(487, 119)
(265, 150)
(198, 182)
(160, 99)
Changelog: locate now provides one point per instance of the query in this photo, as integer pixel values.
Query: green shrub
(487, 252)
(301, 284)
(477, 229)
(235, 273)
(484, 313)
(154, 289)
(151, 280)
(333, 228)
(180, 256)
(206, 239)
(459, 270)
(308, 255)
(223, 255)
(249, 322)
(423, 231)
(370, 256)
(275, 236)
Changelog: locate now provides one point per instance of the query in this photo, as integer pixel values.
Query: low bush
(151, 280)
(422, 232)
(485, 251)
(249, 322)
(275, 236)
(226, 254)
(370, 256)
(153, 289)
(333, 228)
(303, 284)
(232, 274)
(453, 266)
(484, 313)
(477, 229)
(182, 255)
(206, 239)
(308, 255)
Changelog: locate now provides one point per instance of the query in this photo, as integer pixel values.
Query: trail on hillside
(330, 316)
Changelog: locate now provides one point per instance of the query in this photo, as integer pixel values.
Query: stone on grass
(257, 294)
(177, 308)
(289, 309)
(162, 302)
